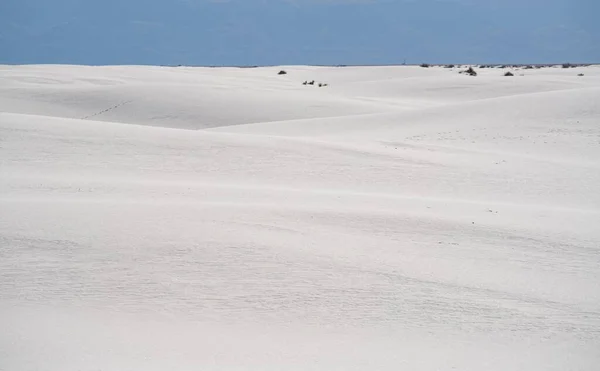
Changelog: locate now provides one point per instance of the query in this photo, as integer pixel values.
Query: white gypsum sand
(400, 218)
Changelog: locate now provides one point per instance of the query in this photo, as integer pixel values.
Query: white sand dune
(401, 218)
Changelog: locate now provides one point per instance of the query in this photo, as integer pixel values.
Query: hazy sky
(267, 32)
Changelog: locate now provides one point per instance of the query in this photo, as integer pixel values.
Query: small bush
(567, 65)
(581, 74)
(509, 74)
(425, 65)
(470, 72)
(449, 66)
(282, 72)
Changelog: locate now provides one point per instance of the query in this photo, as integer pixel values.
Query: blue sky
(323, 32)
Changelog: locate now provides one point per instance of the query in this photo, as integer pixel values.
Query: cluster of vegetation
(574, 65)
(321, 84)
(470, 71)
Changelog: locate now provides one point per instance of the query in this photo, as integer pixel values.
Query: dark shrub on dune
(470, 72)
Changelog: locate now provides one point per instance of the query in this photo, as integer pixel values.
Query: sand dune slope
(158, 218)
